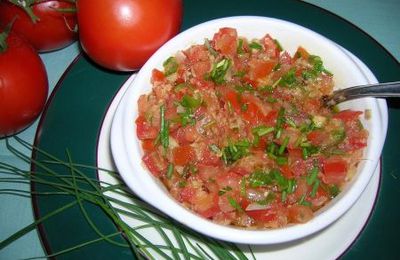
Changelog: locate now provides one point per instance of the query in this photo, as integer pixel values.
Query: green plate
(74, 114)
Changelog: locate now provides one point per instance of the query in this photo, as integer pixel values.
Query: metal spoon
(389, 89)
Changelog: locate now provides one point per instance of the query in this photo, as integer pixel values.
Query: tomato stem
(26, 5)
(4, 35)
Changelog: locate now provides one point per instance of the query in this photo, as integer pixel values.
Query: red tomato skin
(53, 30)
(335, 171)
(23, 86)
(122, 35)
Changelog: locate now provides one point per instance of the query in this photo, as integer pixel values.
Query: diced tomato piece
(201, 68)
(157, 76)
(334, 171)
(260, 68)
(233, 98)
(317, 137)
(300, 214)
(271, 48)
(270, 118)
(296, 162)
(230, 179)
(347, 115)
(207, 173)
(225, 41)
(301, 53)
(187, 194)
(155, 163)
(186, 135)
(286, 172)
(285, 58)
(148, 145)
(211, 207)
(183, 155)
(144, 130)
(357, 142)
(207, 157)
(197, 53)
(264, 215)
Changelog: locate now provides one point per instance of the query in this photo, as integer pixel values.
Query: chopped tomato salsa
(236, 131)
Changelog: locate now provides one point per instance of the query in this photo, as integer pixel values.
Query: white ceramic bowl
(348, 71)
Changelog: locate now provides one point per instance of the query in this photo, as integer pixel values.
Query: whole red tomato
(123, 34)
(53, 29)
(23, 85)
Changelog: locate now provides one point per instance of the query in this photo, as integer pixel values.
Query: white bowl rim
(122, 146)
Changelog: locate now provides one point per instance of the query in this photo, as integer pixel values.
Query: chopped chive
(244, 107)
(314, 188)
(190, 102)
(164, 128)
(305, 153)
(243, 187)
(278, 44)
(279, 122)
(281, 160)
(219, 71)
(170, 66)
(312, 176)
(239, 49)
(270, 99)
(255, 45)
(262, 130)
(303, 201)
(235, 204)
(240, 74)
(170, 170)
(283, 196)
(283, 145)
(291, 186)
(277, 66)
(224, 190)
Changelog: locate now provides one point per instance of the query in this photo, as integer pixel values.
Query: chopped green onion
(283, 196)
(164, 128)
(314, 188)
(243, 187)
(170, 66)
(283, 145)
(312, 176)
(190, 102)
(279, 122)
(288, 79)
(224, 190)
(260, 178)
(170, 170)
(244, 107)
(239, 49)
(255, 45)
(235, 204)
(281, 160)
(219, 71)
(262, 130)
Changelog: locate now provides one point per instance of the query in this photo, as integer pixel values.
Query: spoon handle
(389, 89)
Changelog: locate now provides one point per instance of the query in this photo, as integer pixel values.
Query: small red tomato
(123, 34)
(23, 85)
(53, 28)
